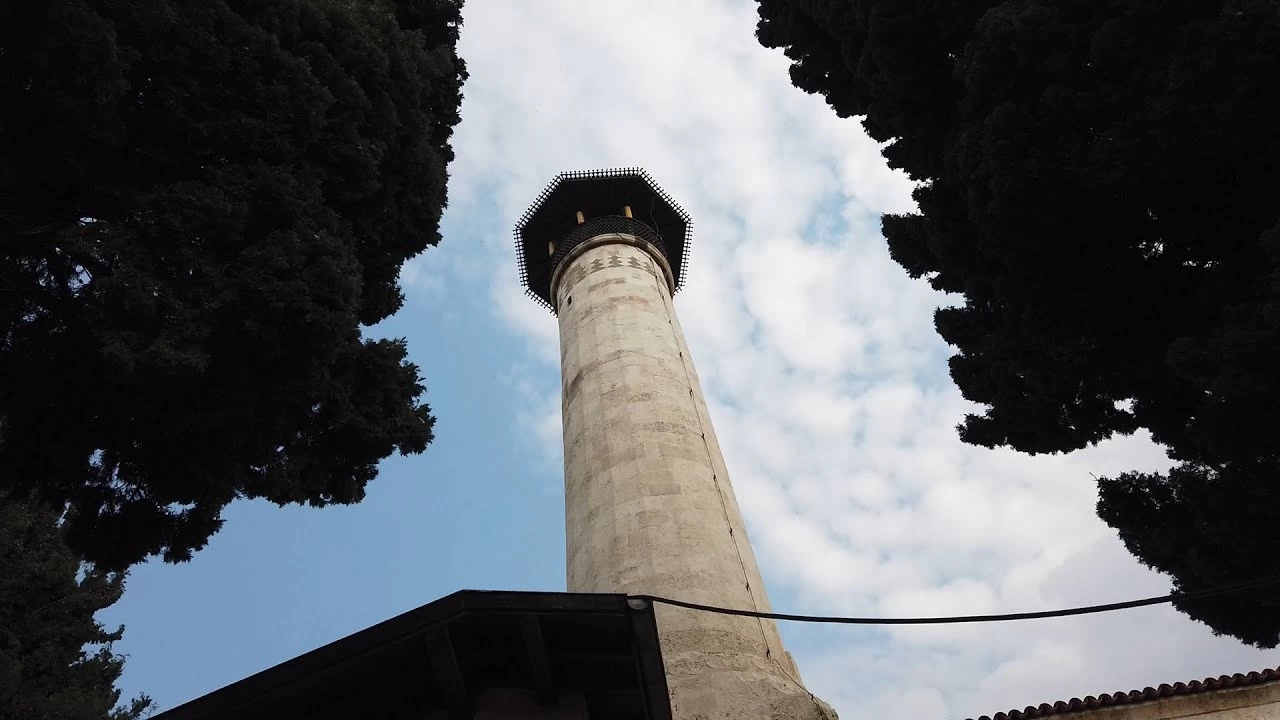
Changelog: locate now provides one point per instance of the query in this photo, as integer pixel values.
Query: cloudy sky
(828, 389)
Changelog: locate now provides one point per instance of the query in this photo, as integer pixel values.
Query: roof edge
(1147, 694)
(680, 264)
(404, 625)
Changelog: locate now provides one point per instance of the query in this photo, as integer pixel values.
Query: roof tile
(1146, 694)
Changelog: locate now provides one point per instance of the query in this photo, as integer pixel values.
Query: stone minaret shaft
(649, 508)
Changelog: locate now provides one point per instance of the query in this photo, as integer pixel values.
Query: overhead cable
(955, 619)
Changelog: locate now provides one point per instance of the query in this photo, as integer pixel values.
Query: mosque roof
(1148, 694)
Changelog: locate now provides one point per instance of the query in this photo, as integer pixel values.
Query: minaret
(648, 504)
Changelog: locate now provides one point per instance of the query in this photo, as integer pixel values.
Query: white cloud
(418, 278)
(539, 420)
(827, 382)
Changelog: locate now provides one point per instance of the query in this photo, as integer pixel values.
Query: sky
(826, 382)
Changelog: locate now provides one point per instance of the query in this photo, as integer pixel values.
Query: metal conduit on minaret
(649, 508)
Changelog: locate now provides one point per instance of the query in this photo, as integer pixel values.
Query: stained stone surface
(649, 508)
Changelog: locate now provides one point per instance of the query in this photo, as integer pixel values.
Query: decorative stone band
(610, 238)
(600, 226)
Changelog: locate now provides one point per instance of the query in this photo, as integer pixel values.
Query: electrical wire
(955, 619)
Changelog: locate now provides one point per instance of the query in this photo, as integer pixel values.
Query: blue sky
(479, 509)
(825, 380)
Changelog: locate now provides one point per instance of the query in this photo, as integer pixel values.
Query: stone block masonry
(649, 508)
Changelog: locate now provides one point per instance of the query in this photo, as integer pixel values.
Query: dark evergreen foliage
(56, 661)
(201, 203)
(1099, 182)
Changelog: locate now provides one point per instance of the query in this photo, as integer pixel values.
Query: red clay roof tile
(1148, 694)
